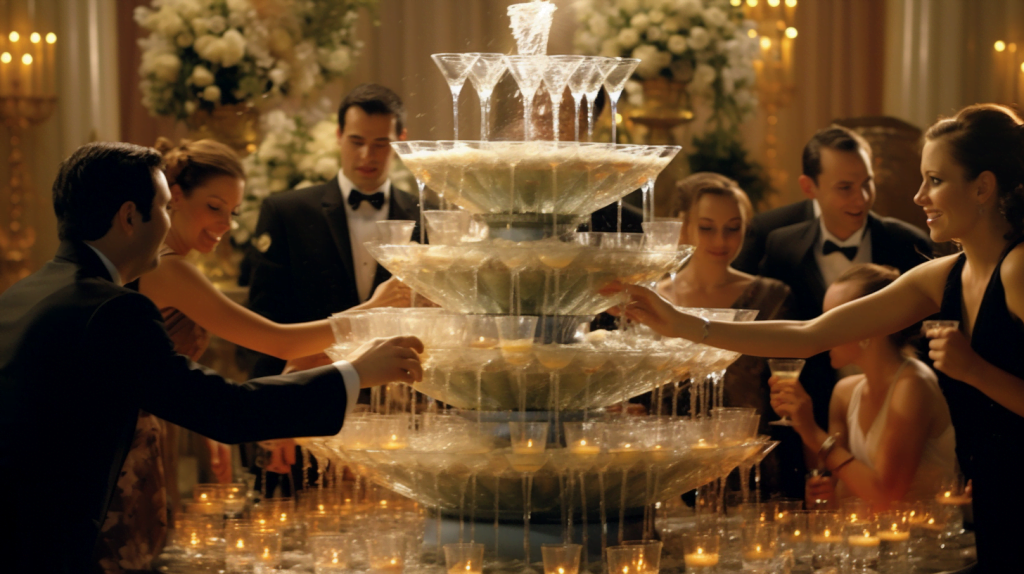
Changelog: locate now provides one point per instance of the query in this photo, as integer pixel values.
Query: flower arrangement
(203, 53)
(704, 42)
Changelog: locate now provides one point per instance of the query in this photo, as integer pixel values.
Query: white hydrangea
(703, 76)
(688, 8)
(652, 60)
(628, 5)
(166, 67)
(714, 17)
(234, 48)
(656, 16)
(639, 21)
(216, 24)
(677, 44)
(628, 38)
(699, 38)
(201, 77)
(211, 94)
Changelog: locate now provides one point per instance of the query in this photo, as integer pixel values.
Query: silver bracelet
(827, 446)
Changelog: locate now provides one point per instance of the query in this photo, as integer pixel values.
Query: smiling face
(845, 190)
(204, 216)
(946, 194)
(838, 294)
(715, 227)
(365, 144)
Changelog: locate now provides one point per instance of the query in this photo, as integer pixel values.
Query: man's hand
(382, 361)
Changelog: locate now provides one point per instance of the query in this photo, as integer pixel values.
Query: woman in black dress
(973, 193)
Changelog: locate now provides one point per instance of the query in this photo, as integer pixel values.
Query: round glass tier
(536, 177)
(548, 277)
(434, 465)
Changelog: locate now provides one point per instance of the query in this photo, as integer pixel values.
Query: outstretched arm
(914, 296)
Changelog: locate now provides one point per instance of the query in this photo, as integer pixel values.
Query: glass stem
(485, 117)
(576, 122)
(527, 114)
(455, 109)
(556, 103)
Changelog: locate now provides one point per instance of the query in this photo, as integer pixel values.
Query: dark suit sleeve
(130, 346)
(749, 258)
(271, 286)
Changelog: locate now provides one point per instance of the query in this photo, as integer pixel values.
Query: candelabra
(775, 27)
(27, 98)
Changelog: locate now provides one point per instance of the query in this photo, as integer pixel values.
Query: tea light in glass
(386, 553)
(862, 546)
(528, 437)
(464, 558)
(584, 438)
(894, 541)
(700, 552)
(759, 543)
(826, 538)
(793, 535)
(240, 545)
(560, 558)
(330, 553)
(631, 559)
(268, 548)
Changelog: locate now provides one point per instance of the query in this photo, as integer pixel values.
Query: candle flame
(766, 43)
(999, 45)
(14, 36)
(561, 570)
(736, 2)
(240, 543)
(469, 566)
(853, 517)
(334, 560)
(791, 32)
(284, 517)
(266, 552)
(5, 58)
(203, 496)
(796, 533)
(828, 533)
(194, 540)
(773, 3)
(35, 38)
(583, 442)
(757, 548)
(948, 494)
(51, 38)
(894, 527)
(529, 443)
(752, 3)
(26, 59)
(791, 3)
(394, 561)
(700, 551)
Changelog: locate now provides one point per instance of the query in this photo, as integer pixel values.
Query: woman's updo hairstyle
(990, 137)
(873, 278)
(690, 189)
(192, 163)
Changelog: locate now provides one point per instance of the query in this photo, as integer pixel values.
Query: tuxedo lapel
(337, 221)
(804, 263)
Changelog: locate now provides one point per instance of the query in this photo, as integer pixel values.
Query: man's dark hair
(374, 99)
(833, 137)
(96, 181)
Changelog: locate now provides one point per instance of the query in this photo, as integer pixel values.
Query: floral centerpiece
(706, 43)
(204, 53)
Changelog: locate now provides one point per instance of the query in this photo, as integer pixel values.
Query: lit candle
(700, 559)
(394, 443)
(758, 554)
(528, 447)
(826, 537)
(36, 40)
(50, 61)
(467, 567)
(583, 448)
(865, 541)
(25, 77)
(951, 499)
(894, 535)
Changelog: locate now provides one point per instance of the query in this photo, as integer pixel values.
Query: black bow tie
(357, 197)
(849, 252)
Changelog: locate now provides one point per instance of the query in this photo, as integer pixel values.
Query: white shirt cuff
(351, 376)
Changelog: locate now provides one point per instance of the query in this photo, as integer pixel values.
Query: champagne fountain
(510, 345)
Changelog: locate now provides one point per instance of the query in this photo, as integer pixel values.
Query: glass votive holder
(753, 512)
(386, 552)
(239, 545)
(826, 538)
(628, 559)
(330, 553)
(274, 513)
(862, 546)
(392, 432)
(528, 437)
(206, 492)
(560, 558)
(583, 438)
(785, 507)
(268, 548)
(652, 553)
(701, 552)
(856, 510)
(759, 544)
(464, 558)
(894, 541)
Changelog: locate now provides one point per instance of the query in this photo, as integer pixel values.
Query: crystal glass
(793, 535)
(661, 235)
(561, 558)
(386, 552)
(581, 81)
(528, 72)
(484, 74)
(515, 338)
(786, 370)
(556, 79)
(759, 541)
(862, 546)
(464, 558)
(268, 549)
(619, 71)
(446, 227)
(455, 68)
(593, 85)
(894, 541)
(701, 551)
(240, 538)
(531, 25)
(633, 558)
(395, 231)
(826, 538)
(330, 553)
(529, 441)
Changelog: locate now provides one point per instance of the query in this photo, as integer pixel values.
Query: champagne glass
(785, 370)
(528, 72)
(455, 68)
(484, 74)
(619, 70)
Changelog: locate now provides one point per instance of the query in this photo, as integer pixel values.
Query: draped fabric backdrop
(912, 59)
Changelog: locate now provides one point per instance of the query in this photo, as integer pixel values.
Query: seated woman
(715, 212)
(893, 433)
(207, 181)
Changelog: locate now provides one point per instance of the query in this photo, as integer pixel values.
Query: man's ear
(404, 135)
(127, 218)
(808, 187)
(177, 195)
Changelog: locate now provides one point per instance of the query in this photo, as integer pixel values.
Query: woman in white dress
(891, 424)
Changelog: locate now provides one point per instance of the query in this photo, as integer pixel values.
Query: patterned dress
(137, 520)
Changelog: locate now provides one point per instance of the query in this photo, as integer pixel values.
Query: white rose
(167, 22)
(587, 42)
(280, 42)
(671, 25)
(201, 77)
(654, 34)
(142, 15)
(184, 40)
(688, 8)
(699, 38)
(640, 21)
(676, 44)
(279, 75)
(629, 6)
(278, 121)
(598, 25)
(166, 67)
(628, 38)
(652, 60)
(703, 76)
(336, 61)
(217, 24)
(656, 16)
(728, 81)
(326, 167)
(610, 48)
(714, 17)
(190, 107)
(199, 26)
(234, 48)
(210, 48)
(729, 29)
(239, 6)
(211, 94)
(277, 185)
(745, 99)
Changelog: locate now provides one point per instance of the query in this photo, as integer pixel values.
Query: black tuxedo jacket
(750, 256)
(307, 272)
(789, 257)
(79, 356)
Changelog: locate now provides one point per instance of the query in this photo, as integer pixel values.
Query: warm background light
(26, 59)
(14, 36)
(35, 38)
(5, 57)
(1000, 45)
(51, 38)
(766, 43)
(791, 3)
(752, 33)
(791, 32)
(736, 2)
(752, 3)
(773, 3)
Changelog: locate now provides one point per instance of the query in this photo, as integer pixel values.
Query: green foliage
(722, 152)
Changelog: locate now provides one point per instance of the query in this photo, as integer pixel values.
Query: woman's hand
(789, 399)
(819, 492)
(952, 353)
(391, 293)
(647, 307)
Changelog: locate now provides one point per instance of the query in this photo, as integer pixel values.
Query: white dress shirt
(362, 226)
(835, 264)
(348, 372)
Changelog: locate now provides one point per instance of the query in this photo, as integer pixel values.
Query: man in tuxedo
(80, 355)
(315, 264)
(749, 258)
(809, 255)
